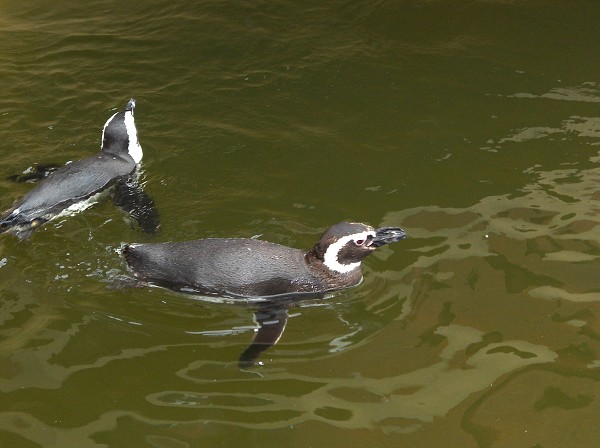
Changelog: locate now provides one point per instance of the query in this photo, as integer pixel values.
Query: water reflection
(421, 394)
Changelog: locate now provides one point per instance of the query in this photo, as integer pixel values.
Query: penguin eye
(360, 242)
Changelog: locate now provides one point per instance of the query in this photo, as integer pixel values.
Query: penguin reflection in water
(247, 268)
(74, 187)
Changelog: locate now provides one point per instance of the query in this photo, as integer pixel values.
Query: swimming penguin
(251, 268)
(69, 188)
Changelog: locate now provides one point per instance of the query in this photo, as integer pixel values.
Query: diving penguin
(71, 187)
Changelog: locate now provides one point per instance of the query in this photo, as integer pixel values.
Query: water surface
(472, 125)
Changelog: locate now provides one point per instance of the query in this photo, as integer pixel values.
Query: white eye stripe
(330, 259)
(135, 150)
(105, 126)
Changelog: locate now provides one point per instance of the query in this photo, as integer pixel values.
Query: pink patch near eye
(360, 242)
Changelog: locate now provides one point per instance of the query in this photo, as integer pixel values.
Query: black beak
(387, 235)
(130, 105)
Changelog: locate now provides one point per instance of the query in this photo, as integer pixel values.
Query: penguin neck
(116, 151)
(332, 279)
(119, 137)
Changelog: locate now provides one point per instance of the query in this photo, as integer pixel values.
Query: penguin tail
(124, 250)
(132, 258)
(7, 221)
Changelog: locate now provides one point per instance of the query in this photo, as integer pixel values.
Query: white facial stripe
(331, 254)
(135, 150)
(105, 126)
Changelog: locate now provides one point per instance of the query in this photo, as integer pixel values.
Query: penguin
(73, 187)
(274, 275)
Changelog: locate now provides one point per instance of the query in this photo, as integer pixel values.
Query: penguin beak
(387, 235)
(130, 107)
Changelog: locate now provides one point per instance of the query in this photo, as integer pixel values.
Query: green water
(473, 125)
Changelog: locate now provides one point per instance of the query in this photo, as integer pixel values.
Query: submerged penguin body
(253, 268)
(230, 266)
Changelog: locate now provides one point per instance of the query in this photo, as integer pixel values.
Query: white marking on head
(135, 149)
(330, 259)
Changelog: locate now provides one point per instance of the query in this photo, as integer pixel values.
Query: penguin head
(344, 245)
(119, 135)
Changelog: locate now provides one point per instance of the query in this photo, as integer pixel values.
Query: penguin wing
(71, 183)
(35, 174)
(130, 198)
(272, 322)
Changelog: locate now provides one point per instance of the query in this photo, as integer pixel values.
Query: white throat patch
(135, 150)
(330, 259)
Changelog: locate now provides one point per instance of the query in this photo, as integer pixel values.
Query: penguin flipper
(130, 198)
(272, 322)
(35, 174)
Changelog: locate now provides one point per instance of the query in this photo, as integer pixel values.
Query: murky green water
(473, 125)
